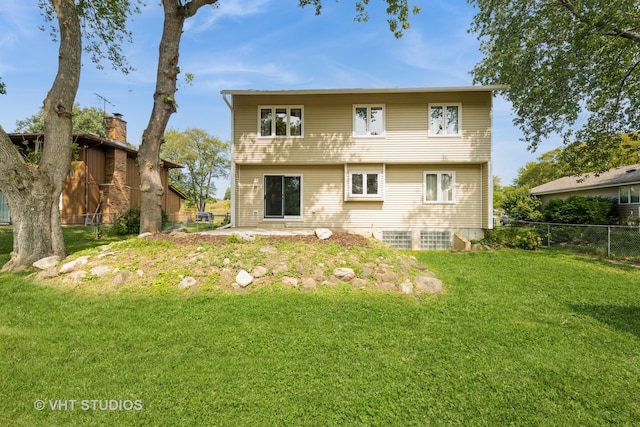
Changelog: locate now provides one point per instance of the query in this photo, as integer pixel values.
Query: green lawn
(521, 338)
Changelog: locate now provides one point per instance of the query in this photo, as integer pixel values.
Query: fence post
(608, 241)
(548, 235)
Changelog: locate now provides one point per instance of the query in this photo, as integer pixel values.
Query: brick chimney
(116, 128)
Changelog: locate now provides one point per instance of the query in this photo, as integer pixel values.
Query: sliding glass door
(282, 196)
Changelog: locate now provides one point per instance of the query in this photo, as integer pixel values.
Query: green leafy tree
(572, 68)
(3, 88)
(498, 192)
(88, 120)
(176, 12)
(33, 194)
(204, 158)
(546, 168)
(521, 205)
(227, 194)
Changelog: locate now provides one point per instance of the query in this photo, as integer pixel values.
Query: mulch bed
(348, 240)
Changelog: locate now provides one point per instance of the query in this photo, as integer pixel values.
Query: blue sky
(259, 44)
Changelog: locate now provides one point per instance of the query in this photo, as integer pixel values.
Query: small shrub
(234, 238)
(129, 222)
(513, 237)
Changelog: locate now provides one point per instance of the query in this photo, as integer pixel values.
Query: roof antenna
(105, 101)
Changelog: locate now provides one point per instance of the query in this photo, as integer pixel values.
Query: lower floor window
(364, 184)
(434, 240)
(439, 187)
(282, 196)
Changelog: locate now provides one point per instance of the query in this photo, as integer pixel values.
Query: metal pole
(608, 241)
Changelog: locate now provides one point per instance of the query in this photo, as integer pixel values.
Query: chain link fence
(609, 240)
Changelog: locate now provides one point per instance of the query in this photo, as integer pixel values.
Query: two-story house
(409, 166)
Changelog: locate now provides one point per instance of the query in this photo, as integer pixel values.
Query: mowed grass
(519, 338)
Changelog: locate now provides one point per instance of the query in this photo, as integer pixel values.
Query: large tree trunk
(151, 189)
(164, 104)
(32, 192)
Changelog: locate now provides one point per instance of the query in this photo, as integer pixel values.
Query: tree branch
(609, 30)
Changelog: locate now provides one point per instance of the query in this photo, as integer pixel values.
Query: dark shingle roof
(612, 178)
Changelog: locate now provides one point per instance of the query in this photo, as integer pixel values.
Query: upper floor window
(439, 187)
(368, 120)
(280, 121)
(445, 120)
(630, 194)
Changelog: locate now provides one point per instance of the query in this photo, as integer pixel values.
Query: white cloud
(226, 9)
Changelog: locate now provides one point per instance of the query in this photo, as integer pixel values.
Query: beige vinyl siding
(403, 207)
(328, 125)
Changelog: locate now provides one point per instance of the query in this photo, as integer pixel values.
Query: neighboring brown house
(621, 184)
(103, 181)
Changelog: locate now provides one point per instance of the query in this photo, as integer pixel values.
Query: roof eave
(488, 88)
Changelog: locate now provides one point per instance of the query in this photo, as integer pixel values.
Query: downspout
(232, 223)
(490, 195)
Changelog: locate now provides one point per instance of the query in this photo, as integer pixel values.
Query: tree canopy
(555, 164)
(572, 67)
(85, 119)
(204, 158)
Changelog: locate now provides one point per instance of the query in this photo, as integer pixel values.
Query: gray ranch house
(621, 184)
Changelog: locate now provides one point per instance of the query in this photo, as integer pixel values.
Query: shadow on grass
(625, 319)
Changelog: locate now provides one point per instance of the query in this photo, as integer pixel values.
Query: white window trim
(444, 105)
(439, 180)
(348, 173)
(628, 188)
(368, 107)
(286, 217)
(273, 115)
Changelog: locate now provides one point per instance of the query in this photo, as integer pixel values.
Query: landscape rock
(387, 286)
(300, 269)
(143, 235)
(429, 285)
(100, 270)
(406, 287)
(323, 233)
(187, 282)
(179, 228)
(358, 282)
(77, 275)
(244, 279)
(245, 235)
(259, 271)
(344, 274)
(48, 273)
(106, 254)
(269, 250)
(122, 277)
(309, 284)
(289, 282)
(280, 268)
(46, 263)
(72, 265)
(366, 272)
